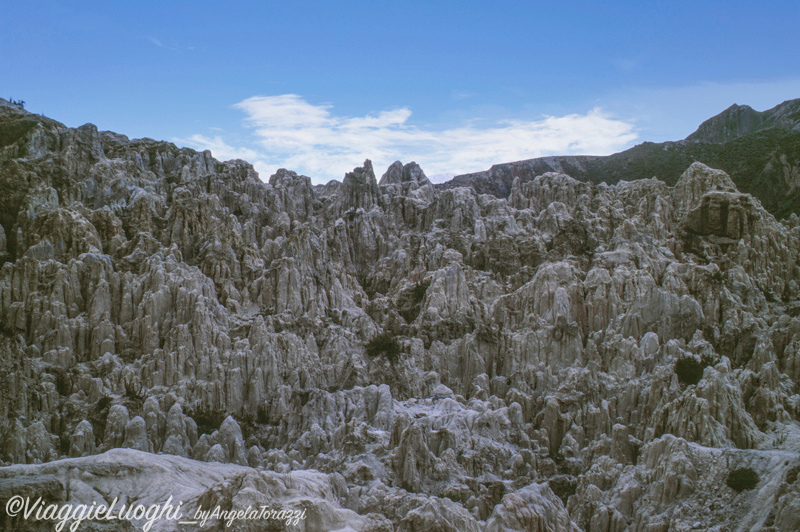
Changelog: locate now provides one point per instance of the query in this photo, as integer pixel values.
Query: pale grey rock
(230, 437)
(136, 435)
(153, 479)
(81, 443)
(533, 508)
(216, 454)
(178, 431)
(413, 460)
(399, 174)
(254, 457)
(149, 294)
(14, 442)
(697, 181)
(116, 423)
(441, 514)
(39, 444)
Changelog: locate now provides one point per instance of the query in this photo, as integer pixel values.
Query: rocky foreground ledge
(386, 355)
(178, 493)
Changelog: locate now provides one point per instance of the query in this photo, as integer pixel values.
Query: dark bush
(63, 444)
(410, 314)
(384, 344)
(247, 422)
(742, 479)
(102, 404)
(707, 360)
(98, 414)
(791, 475)
(563, 486)
(574, 238)
(63, 382)
(418, 292)
(207, 419)
(495, 490)
(245, 417)
(556, 457)
(454, 496)
(128, 355)
(689, 370)
(134, 391)
(367, 285)
(262, 415)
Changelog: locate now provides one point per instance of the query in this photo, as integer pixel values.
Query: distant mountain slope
(760, 151)
(740, 120)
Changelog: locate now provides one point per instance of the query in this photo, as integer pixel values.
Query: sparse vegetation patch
(419, 291)
(207, 419)
(689, 370)
(385, 344)
(742, 479)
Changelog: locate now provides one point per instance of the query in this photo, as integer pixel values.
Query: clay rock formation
(392, 355)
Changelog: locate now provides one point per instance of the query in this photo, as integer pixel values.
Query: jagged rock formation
(759, 150)
(523, 371)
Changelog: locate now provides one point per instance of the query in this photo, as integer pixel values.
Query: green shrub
(495, 490)
(128, 355)
(262, 415)
(563, 487)
(384, 344)
(207, 419)
(247, 422)
(689, 370)
(63, 444)
(454, 496)
(791, 475)
(97, 416)
(63, 382)
(418, 292)
(409, 315)
(102, 404)
(742, 479)
(556, 457)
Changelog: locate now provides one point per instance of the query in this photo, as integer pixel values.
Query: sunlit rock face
(389, 355)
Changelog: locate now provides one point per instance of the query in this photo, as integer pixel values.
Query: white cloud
(289, 132)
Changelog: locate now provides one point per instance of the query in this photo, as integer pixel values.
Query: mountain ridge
(740, 120)
(760, 151)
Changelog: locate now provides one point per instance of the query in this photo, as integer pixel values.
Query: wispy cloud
(290, 132)
(462, 95)
(155, 41)
(628, 63)
(161, 44)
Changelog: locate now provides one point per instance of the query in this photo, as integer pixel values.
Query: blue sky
(319, 86)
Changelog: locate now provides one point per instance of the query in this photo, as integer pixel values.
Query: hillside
(760, 151)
